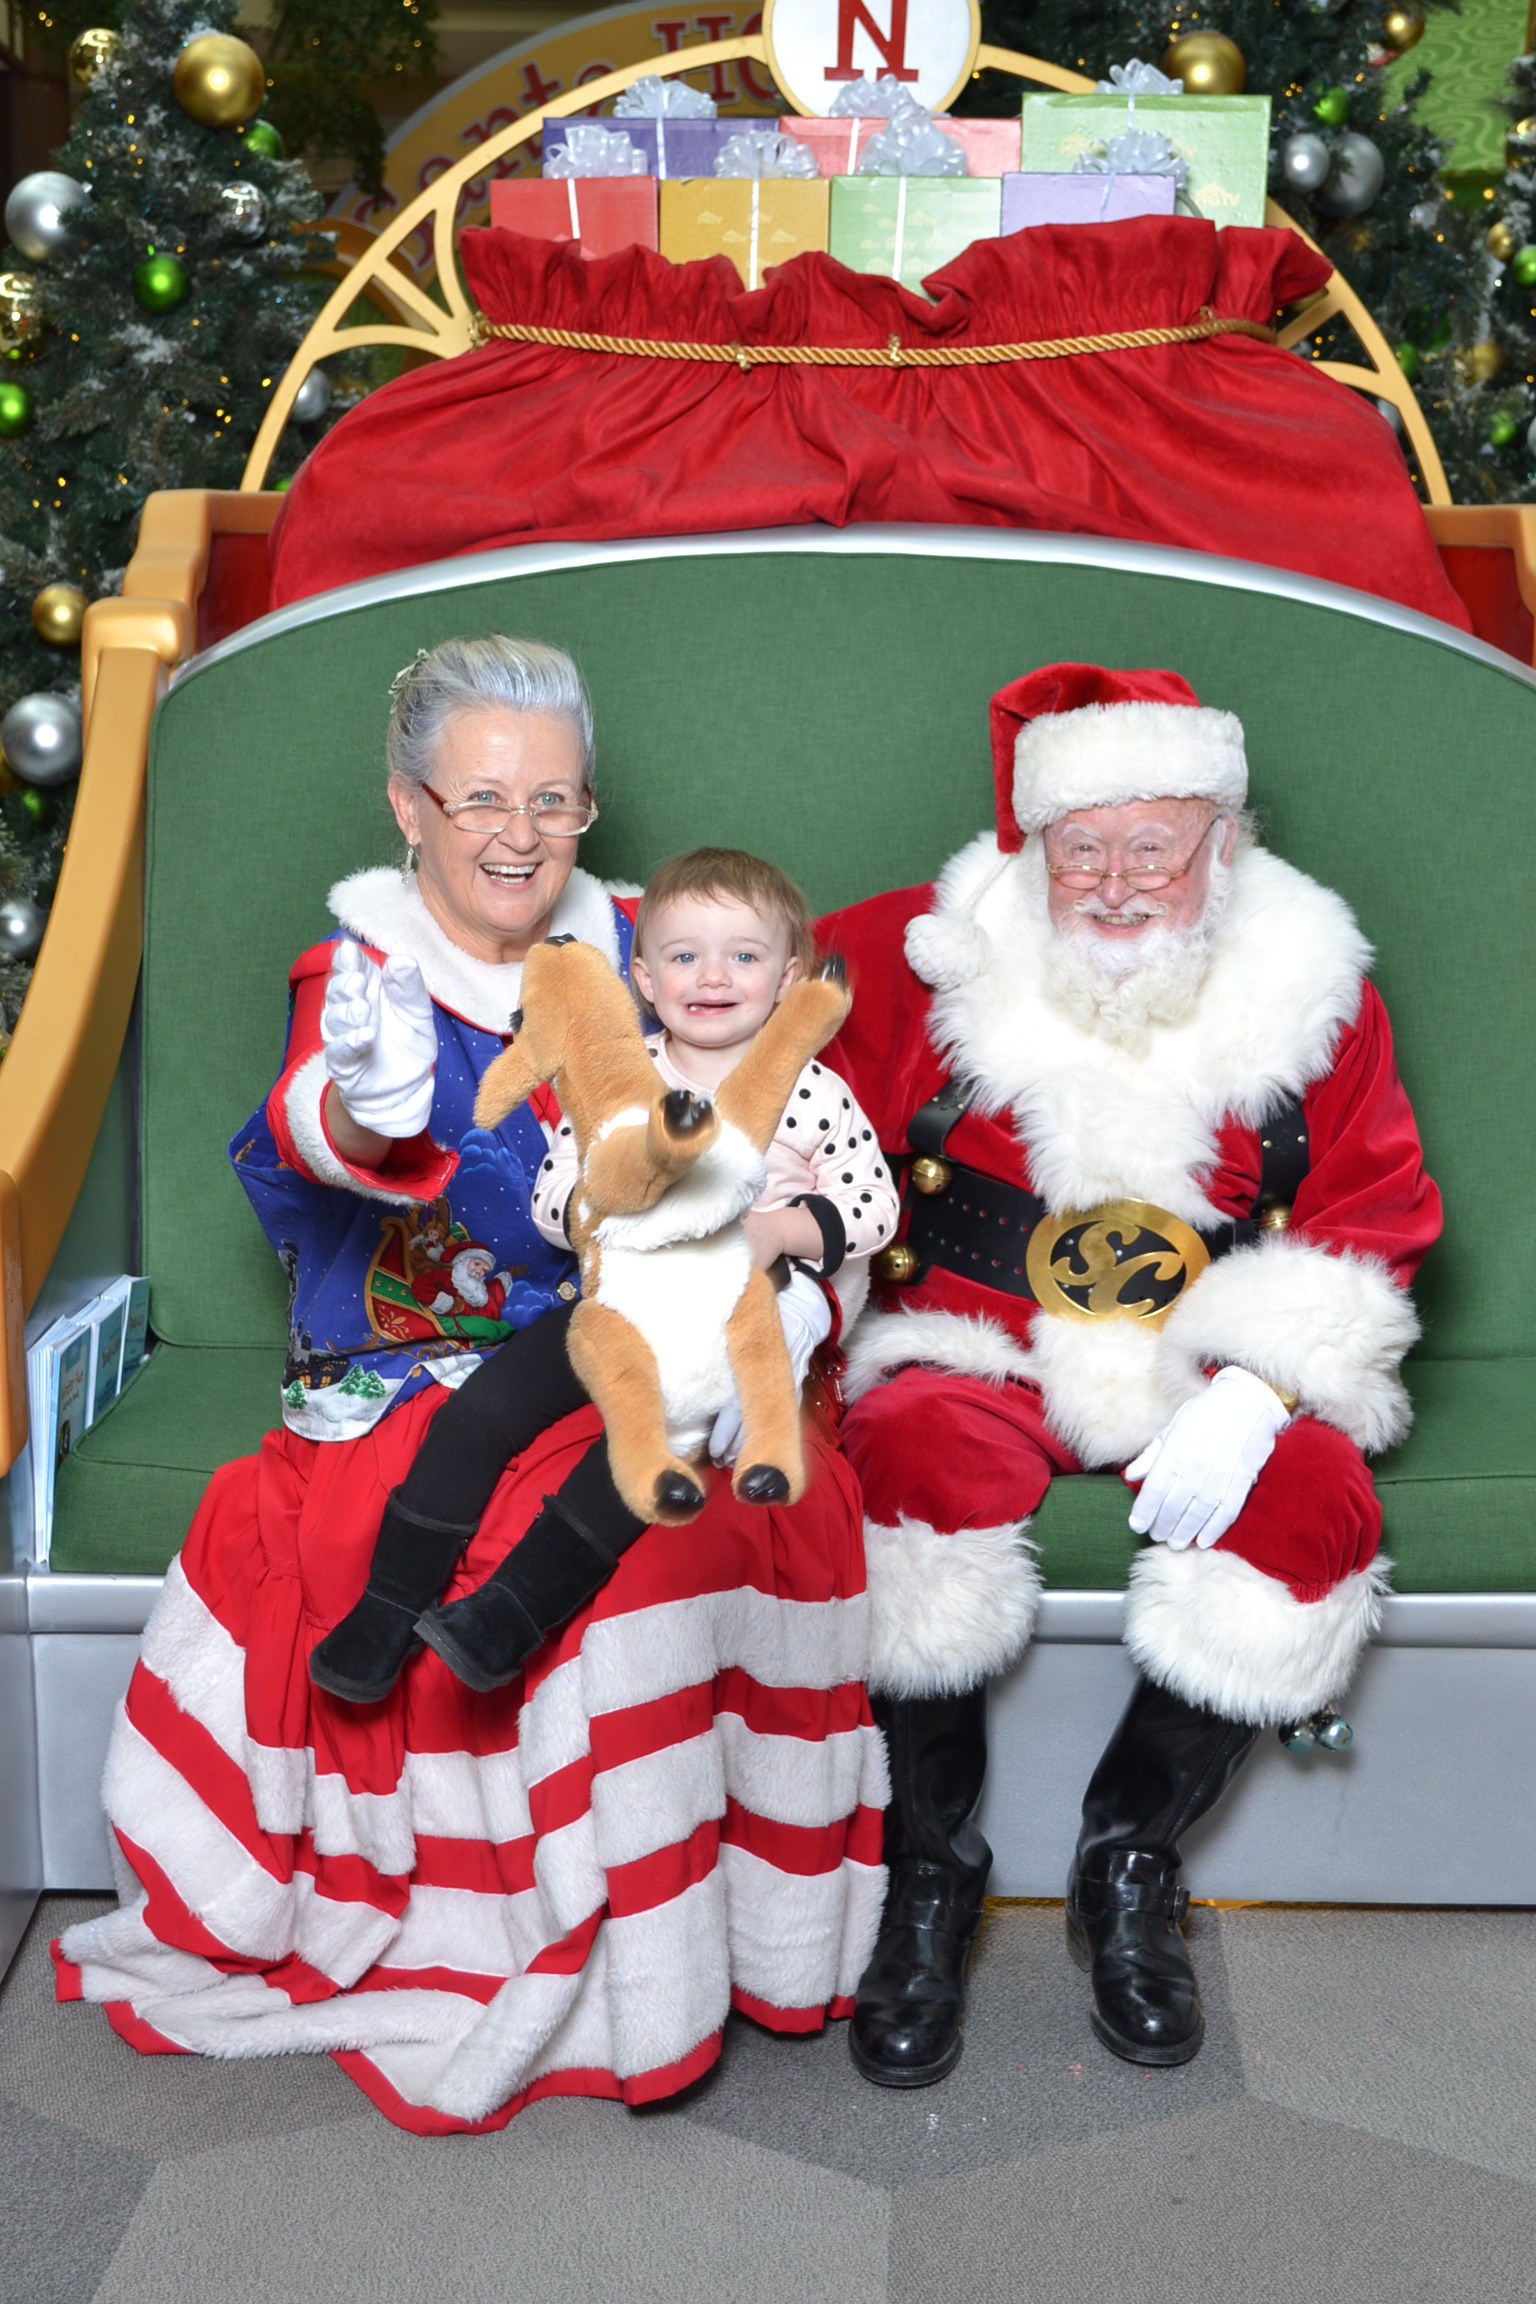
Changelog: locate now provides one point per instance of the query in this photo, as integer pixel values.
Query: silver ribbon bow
(653, 99)
(863, 99)
(591, 151)
(910, 145)
(763, 152)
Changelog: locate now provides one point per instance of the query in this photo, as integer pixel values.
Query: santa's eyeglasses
(1084, 876)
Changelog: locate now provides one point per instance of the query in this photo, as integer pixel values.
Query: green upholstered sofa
(822, 696)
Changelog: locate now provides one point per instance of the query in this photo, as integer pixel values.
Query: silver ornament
(1390, 414)
(242, 210)
(40, 736)
(1530, 438)
(1304, 163)
(1299, 1738)
(314, 397)
(21, 927)
(1356, 177)
(36, 214)
(1427, 214)
(1334, 1734)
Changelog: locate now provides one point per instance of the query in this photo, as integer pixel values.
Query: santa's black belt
(1122, 1260)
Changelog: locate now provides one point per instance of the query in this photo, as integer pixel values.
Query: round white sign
(815, 47)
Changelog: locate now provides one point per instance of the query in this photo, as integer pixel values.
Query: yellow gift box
(756, 221)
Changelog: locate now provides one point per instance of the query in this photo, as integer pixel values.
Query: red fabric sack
(1230, 446)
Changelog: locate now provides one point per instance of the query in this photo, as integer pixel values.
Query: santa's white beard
(472, 1289)
(1122, 989)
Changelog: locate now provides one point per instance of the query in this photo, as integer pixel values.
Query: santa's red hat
(1076, 736)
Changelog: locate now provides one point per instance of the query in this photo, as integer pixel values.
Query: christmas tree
(1349, 160)
(1506, 354)
(150, 299)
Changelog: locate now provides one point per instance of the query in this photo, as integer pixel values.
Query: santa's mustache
(1130, 914)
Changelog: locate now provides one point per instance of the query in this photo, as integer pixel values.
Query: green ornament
(262, 137)
(1502, 430)
(1409, 362)
(281, 487)
(1523, 266)
(35, 803)
(1332, 107)
(15, 410)
(160, 283)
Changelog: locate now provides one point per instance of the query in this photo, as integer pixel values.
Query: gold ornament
(898, 1263)
(1401, 29)
(18, 309)
(58, 612)
(91, 51)
(1520, 143)
(1501, 242)
(219, 80)
(1208, 63)
(1480, 363)
(930, 1176)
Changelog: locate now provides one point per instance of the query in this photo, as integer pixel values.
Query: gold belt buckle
(1084, 1265)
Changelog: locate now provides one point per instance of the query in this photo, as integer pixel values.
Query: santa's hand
(806, 1318)
(380, 1041)
(1195, 1476)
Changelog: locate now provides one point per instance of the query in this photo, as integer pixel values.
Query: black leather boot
(906, 2021)
(1165, 1765)
(361, 1658)
(567, 1554)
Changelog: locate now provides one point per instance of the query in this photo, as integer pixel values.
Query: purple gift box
(671, 147)
(1083, 199)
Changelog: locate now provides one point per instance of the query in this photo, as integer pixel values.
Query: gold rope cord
(893, 354)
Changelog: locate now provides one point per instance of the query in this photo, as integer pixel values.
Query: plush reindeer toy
(673, 1318)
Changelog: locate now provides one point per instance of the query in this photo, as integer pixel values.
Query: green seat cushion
(1459, 1497)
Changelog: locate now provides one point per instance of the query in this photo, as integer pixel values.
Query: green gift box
(908, 226)
(1224, 139)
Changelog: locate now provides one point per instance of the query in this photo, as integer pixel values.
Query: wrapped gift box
(908, 226)
(1225, 140)
(1039, 199)
(757, 222)
(991, 147)
(671, 147)
(601, 213)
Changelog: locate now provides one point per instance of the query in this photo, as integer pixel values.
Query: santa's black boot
(361, 1659)
(566, 1556)
(1165, 1765)
(906, 2021)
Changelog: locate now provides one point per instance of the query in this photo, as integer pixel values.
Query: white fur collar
(383, 908)
(1101, 1122)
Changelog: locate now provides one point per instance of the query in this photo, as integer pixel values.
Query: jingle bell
(1298, 1739)
(1274, 1216)
(930, 1176)
(898, 1263)
(1333, 1733)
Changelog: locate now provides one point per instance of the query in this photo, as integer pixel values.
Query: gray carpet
(1361, 2126)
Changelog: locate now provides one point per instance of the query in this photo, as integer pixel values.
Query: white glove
(806, 1318)
(380, 1041)
(1195, 1476)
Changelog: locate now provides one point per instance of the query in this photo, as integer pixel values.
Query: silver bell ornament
(1304, 163)
(313, 397)
(21, 927)
(1356, 177)
(1333, 1733)
(40, 736)
(1298, 1739)
(37, 214)
(242, 210)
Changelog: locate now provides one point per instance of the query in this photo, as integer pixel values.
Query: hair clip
(406, 674)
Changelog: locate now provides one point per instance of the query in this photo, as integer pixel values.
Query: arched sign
(817, 46)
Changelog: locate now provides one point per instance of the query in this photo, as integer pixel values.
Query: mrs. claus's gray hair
(471, 676)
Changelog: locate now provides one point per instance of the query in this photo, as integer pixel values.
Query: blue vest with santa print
(386, 1297)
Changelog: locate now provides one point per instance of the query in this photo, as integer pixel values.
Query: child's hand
(775, 1232)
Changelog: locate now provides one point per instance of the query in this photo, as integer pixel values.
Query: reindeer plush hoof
(676, 1498)
(761, 1484)
(683, 1113)
(834, 970)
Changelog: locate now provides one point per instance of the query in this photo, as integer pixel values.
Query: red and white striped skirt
(472, 1901)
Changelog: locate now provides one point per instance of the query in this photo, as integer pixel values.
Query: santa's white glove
(806, 1318)
(380, 1041)
(1195, 1476)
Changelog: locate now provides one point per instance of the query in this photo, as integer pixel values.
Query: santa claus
(1164, 1198)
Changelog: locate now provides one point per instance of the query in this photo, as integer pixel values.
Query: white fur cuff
(1329, 1327)
(1218, 1632)
(946, 1612)
(886, 1341)
(306, 1092)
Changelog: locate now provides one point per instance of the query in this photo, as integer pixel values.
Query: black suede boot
(361, 1658)
(906, 2021)
(1165, 1765)
(568, 1553)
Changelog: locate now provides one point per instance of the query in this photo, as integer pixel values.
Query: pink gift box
(1031, 199)
(600, 213)
(991, 147)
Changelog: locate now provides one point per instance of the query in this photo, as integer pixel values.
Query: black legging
(500, 1409)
